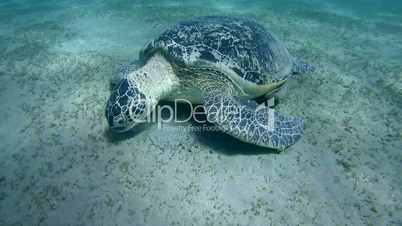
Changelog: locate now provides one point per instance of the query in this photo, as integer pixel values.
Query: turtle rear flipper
(260, 126)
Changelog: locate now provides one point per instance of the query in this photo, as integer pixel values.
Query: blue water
(60, 164)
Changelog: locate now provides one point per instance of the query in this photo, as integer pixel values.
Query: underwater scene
(290, 112)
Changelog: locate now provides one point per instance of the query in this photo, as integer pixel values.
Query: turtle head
(127, 106)
(137, 94)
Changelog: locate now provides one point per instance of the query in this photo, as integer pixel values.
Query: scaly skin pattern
(242, 45)
(263, 127)
(126, 105)
(136, 95)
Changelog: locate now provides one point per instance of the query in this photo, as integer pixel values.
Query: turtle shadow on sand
(114, 137)
(225, 144)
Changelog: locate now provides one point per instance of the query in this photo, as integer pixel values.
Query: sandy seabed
(60, 165)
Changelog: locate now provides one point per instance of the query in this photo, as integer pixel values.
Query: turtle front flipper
(260, 126)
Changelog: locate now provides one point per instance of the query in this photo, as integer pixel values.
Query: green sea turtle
(221, 62)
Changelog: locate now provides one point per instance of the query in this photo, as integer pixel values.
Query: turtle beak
(118, 123)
